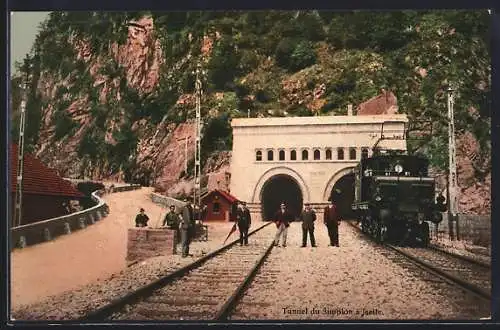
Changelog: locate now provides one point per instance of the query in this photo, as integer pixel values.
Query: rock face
(384, 104)
(474, 176)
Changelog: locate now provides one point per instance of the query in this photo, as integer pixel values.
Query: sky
(23, 31)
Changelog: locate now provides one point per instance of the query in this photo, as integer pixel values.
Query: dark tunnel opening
(343, 195)
(280, 188)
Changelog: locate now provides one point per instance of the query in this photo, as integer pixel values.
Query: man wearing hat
(244, 221)
(331, 219)
(308, 216)
(187, 227)
(141, 220)
(282, 218)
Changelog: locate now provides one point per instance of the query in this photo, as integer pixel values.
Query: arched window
(282, 155)
(329, 154)
(258, 155)
(352, 153)
(317, 154)
(270, 155)
(216, 208)
(305, 155)
(340, 153)
(293, 155)
(364, 153)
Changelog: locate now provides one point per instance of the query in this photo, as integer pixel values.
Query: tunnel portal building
(305, 159)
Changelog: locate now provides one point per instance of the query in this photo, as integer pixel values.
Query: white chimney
(349, 109)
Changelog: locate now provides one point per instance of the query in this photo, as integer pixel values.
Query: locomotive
(394, 197)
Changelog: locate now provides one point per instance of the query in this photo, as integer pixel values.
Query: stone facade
(323, 139)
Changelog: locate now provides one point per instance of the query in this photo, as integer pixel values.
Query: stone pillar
(67, 228)
(46, 234)
(349, 109)
(144, 243)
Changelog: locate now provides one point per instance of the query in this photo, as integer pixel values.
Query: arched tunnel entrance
(280, 188)
(343, 195)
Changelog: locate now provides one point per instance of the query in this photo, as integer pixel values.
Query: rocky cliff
(111, 95)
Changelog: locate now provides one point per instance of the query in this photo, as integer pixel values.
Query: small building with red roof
(221, 205)
(44, 191)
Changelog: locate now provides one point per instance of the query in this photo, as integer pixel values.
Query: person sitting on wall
(141, 220)
(172, 220)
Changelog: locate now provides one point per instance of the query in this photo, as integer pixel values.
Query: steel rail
(458, 256)
(455, 279)
(232, 301)
(105, 311)
(438, 272)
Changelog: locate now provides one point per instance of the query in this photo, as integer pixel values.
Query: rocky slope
(111, 95)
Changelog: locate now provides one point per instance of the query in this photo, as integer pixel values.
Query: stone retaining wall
(144, 243)
(47, 230)
(473, 228)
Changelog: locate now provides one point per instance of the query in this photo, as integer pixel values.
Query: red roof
(38, 179)
(230, 198)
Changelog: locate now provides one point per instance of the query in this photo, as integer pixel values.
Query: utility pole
(197, 156)
(452, 175)
(185, 152)
(20, 161)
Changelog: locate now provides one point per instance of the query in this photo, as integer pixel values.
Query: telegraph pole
(197, 156)
(452, 175)
(20, 161)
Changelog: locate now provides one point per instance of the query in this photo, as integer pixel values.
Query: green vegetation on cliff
(253, 56)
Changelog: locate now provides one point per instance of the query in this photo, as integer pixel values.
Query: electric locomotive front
(394, 197)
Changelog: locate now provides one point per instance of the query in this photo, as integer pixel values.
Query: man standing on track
(187, 227)
(332, 221)
(244, 222)
(308, 216)
(282, 218)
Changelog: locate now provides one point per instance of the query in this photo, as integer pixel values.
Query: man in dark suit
(244, 221)
(187, 227)
(331, 219)
(282, 218)
(141, 220)
(308, 216)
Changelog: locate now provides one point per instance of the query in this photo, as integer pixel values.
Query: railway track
(207, 289)
(468, 274)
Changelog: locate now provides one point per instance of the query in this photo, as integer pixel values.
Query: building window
(352, 153)
(317, 154)
(305, 155)
(216, 208)
(340, 153)
(258, 155)
(329, 154)
(270, 155)
(282, 155)
(364, 153)
(293, 155)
